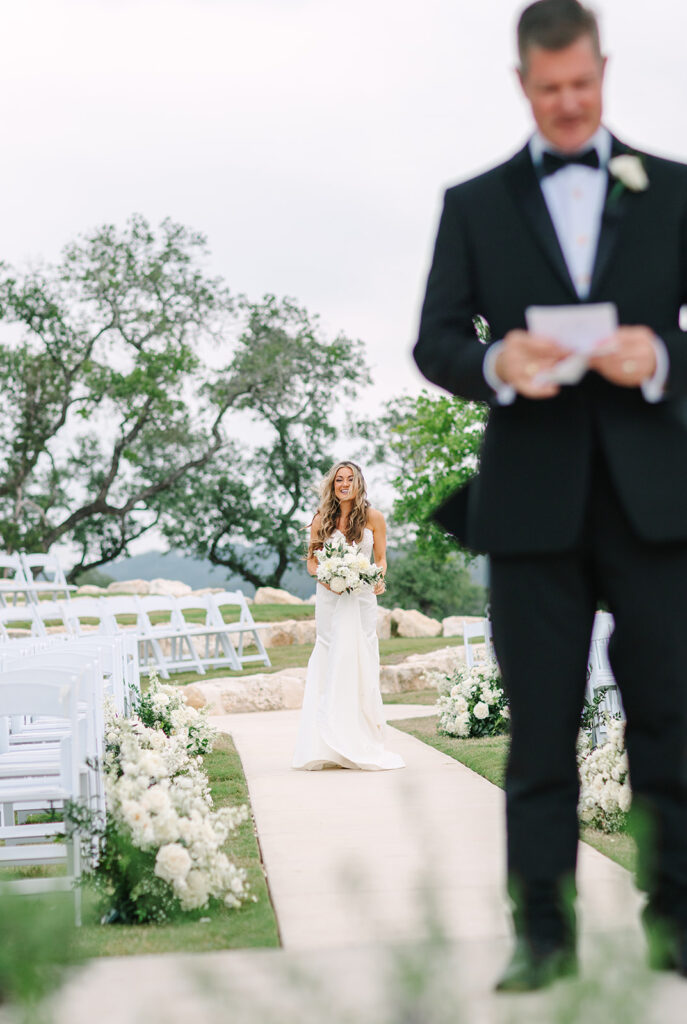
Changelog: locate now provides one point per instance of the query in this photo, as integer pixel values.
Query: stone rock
(415, 624)
(419, 671)
(263, 692)
(312, 599)
(129, 587)
(90, 590)
(305, 631)
(272, 595)
(453, 625)
(208, 590)
(169, 588)
(383, 623)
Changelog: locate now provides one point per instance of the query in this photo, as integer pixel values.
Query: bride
(342, 722)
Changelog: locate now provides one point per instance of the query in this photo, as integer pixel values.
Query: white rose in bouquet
(338, 585)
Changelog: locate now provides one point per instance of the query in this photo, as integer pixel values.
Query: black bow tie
(552, 162)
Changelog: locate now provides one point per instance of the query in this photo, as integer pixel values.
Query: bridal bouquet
(343, 568)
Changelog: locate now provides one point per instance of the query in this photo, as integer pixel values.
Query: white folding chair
(213, 633)
(11, 570)
(41, 736)
(173, 630)
(20, 617)
(245, 626)
(45, 568)
(42, 693)
(476, 631)
(600, 674)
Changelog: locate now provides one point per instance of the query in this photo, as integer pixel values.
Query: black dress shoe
(532, 968)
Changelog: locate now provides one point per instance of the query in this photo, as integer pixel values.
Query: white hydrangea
(605, 793)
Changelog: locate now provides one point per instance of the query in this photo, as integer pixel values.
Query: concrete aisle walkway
(357, 865)
(358, 857)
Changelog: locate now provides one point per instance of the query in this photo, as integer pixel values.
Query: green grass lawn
(252, 925)
(487, 757)
(411, 697)
(296, 655)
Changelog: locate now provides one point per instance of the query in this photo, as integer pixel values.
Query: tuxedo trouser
(543, 611)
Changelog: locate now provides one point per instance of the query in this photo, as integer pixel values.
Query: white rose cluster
(605, 794)
(472, 702)
(344, 569)
(159, 792)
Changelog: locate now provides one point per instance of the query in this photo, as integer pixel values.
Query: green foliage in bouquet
(472, 702)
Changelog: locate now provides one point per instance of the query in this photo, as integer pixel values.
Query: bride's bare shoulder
(375, 518)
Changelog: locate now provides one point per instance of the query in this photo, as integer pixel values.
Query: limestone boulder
(169, 588)
(272, 595)
(312, 599)
(453, 624)
(383, 623)
(208, 590)
(265, 691)
(414, 624)
(129, 587)
(90, 590)
(281, 634)
(305, 631)
(420, 671)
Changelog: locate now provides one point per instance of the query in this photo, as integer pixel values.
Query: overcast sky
(310, 140)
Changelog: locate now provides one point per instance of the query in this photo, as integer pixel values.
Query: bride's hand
(379, 588)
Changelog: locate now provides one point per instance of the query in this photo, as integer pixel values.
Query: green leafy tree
(106, 401)
(430, 444)
(247, 508)
(437, 585)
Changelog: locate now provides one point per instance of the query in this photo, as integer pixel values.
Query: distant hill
(197, 573)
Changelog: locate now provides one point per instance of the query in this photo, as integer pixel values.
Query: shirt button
(577, 193)
(582, 239)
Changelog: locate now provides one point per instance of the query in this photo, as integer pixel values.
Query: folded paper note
(580, 329)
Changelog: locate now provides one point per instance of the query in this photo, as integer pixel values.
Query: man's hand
(628, 358)
(523, 356)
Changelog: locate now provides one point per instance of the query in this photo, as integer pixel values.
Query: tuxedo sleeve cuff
(654, 388)
(505, 394)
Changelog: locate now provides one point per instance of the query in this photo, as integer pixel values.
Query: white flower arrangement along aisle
(473, 703)
(159, 851)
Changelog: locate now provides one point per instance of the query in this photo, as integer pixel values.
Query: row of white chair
(24, 569)
(173, 644)
(52, 694)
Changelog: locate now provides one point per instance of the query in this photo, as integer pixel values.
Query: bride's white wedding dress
(342, 722)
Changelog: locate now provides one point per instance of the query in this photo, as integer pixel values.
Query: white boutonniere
(629, 172)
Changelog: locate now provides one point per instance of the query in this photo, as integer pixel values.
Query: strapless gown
(342, 722)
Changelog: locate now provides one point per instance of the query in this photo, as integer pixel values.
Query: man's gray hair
(555, 25)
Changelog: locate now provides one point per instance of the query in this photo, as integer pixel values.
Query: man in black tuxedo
(582, 489)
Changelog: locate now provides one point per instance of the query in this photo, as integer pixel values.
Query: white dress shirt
(575, 197)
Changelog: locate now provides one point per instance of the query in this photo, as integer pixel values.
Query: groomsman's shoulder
(481, 184)
(668, 170)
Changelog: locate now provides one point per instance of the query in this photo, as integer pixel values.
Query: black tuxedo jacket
(496, 254)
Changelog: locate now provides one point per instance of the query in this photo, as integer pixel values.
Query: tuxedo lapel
(532, 206)
(613, 212)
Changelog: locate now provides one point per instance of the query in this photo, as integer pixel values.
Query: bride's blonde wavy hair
(330, 508)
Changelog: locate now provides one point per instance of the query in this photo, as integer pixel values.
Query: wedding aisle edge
(486, 756)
